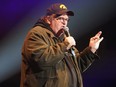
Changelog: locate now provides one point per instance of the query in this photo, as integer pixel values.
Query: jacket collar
(45, 25)
(50, 32)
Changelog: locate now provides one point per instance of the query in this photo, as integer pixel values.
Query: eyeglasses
(62, 19)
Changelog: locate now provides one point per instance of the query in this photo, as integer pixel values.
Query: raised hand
(95, 41)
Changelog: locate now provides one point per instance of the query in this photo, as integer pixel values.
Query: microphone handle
(72, 48)
(66, 31)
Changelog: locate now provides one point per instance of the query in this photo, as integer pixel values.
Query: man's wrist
(93, 49)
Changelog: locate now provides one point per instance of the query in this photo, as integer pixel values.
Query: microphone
(66, 31)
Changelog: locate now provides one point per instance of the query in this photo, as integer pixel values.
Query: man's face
(59, 22)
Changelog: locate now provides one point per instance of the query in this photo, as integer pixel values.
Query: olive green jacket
(43, 62)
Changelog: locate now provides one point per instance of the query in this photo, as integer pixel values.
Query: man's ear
(49, 19)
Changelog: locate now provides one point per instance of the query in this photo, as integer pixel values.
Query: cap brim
(70, 13)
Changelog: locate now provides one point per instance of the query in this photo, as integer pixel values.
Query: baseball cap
(59, 9)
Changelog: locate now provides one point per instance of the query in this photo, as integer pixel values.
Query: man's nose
(63, 22)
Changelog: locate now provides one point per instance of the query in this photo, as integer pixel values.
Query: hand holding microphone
(69, 39)
(71, 42)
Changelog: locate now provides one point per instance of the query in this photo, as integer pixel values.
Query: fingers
(96, 38)
(71, 42)
(100, 39)
(98, 34)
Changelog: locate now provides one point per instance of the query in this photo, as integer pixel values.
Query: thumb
(100, 39)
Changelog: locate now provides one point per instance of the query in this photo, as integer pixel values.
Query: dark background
(91, 16)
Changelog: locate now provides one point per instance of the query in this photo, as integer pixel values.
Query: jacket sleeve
(38, 49)
(85, 58)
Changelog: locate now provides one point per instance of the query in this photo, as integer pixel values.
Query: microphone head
(66, 29)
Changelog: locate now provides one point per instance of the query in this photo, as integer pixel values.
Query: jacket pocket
(48, 73)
